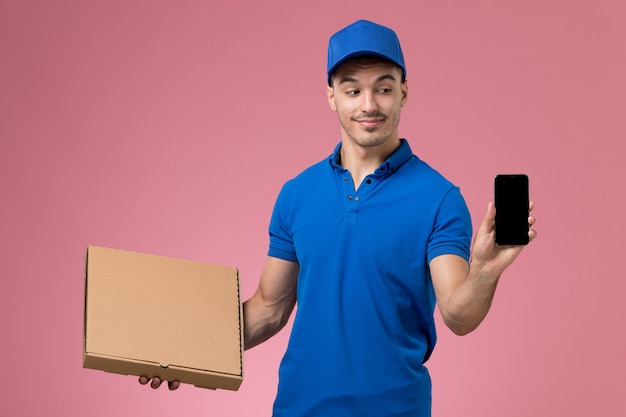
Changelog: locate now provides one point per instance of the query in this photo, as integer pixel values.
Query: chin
(371, 142)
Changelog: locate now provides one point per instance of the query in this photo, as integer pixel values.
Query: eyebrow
(349, 79)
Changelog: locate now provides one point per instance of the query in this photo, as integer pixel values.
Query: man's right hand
(156, 382)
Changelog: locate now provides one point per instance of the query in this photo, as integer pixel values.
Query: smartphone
(512, 209)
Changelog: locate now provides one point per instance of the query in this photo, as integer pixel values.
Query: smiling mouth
(371, 120)
(370, 123)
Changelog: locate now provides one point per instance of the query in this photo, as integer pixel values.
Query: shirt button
(346, 179)
(369, 181)
(357, 198)
(349, 197)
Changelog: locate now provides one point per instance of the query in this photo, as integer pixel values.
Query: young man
(366, 241)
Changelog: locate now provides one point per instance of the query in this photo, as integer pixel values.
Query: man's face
(368, 96)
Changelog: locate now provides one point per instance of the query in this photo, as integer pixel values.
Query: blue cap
(364, 38)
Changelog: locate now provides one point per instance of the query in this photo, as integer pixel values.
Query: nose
(368, 102)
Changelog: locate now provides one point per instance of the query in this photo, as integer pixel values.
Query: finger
(156, 382)
(491, 211)
(143, 380)
(173, 385)
(487, 224)
(531, 205)
(532, 220)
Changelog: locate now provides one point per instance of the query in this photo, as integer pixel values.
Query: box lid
(165, 311)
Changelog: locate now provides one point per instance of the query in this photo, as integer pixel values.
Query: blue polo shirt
(364, 323)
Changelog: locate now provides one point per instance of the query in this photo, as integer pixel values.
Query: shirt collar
(395, 160)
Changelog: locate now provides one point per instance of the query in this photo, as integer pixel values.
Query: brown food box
(158, 316)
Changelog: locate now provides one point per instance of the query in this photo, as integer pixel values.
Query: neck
(362, 161)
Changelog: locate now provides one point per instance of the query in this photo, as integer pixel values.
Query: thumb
(487, 225)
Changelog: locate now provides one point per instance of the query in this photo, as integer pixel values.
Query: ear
(330, 94)
(405, 92)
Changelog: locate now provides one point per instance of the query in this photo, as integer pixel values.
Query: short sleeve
(281, 241)
(452, 231)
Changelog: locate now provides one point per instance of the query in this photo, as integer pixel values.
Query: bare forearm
(469, 304)
(465, 292)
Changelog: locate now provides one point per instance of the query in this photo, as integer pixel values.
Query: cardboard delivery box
(157, 316)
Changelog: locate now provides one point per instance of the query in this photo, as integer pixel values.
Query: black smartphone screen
(511, 200)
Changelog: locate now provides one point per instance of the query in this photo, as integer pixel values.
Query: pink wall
(168, 127)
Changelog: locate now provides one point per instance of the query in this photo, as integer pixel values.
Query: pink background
(168, 127)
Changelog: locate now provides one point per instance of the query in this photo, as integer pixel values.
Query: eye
(352, 92)
(384, 90)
